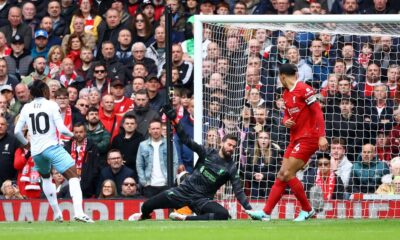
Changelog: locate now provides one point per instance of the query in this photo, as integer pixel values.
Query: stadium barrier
(39, 210)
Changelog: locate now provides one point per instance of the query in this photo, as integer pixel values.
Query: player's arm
(171, 114)
(237, 189)
(317, 113)
(18, 130)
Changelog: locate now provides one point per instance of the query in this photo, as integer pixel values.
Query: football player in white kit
(43, 119)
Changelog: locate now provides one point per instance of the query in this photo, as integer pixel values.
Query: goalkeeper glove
(169, 111)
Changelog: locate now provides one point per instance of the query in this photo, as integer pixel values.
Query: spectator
(367, 172)
(7, 154)
(138, 83)
(318, 63)
(20, 60)
(306, 7)
(304, 70)
(192, 7)
(100, 80)
(22, 97)
(68, 7)
(139, 70)
(4, 12)
(86, 157)
(339, 161)
(151, 162)
(148, 9)
(108, 30)
(350, 7)
(347, 125)
(386, 55)
(115, 170)
(122, 10)
(393, 76)
(324, 177)
(47, 24)
(262, 165)
(54, 85)
(72, 95)
(82, 105)
(138, 56)
(274, 56)
(178, 15)
(123, 52)
(5, 77)
(212, 139)
(107, 116)
(156, 50)
(78, 25)
(62, 187)
(156, 95)
(207, 7)
(68, 77)
(389, 185)
(40, 48)
(379, 111)
(4, 49)
(91, 20)
(129, 189)
(70, 115)
(97, 134)
(56, 56)
(127, 141)
(108, 190)
(379, 7)
(17, 27)
(185, 68)
(353, 68)
(222, 8)
(115, 69)
(372, 78)
(382, 147)
(6, 99)
(73, 49)
(365, 55)
(10, 191)
(94, 97)
(59, 23)
(29, 15)
(239, 8)
(143, 113)
(122, 103)
(86, 57)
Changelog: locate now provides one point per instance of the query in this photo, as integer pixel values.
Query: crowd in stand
(104, 62)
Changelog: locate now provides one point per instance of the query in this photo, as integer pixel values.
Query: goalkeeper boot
(303, 215)
(258, 215)
(137, 217)
(177, 216)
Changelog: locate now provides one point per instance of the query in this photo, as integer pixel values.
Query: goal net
(352, 64)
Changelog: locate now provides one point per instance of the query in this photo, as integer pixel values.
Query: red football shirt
(297, 102)
(122, 106)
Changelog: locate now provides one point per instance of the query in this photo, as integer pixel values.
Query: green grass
(220, 230)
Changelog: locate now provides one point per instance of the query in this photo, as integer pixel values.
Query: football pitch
(220, 230)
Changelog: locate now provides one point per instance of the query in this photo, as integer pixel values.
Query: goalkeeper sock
(76, 195)
(298, 190)
(276, 193)
(50, 191)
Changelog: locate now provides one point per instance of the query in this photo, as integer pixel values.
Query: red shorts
(302, 148)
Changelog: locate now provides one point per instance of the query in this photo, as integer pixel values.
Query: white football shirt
(42, 118)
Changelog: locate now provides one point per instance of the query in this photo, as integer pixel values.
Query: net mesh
(354, 71)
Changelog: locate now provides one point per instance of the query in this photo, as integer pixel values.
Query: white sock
(50, 191)
(76, 195)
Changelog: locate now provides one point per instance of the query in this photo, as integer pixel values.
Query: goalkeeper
(213, 169)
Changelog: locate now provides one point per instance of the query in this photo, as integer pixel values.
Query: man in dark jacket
(115, 170)
(19, 62)
(86, 157)
(127, 141)
(143, 113)
(16, 26)
(8, 145)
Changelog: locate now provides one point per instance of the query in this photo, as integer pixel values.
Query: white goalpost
(351, 61)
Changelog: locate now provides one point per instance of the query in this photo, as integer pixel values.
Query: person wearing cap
(8, 92)
(119, 5)
(40, 48)
(16, 26)
(207, 7)
(5, 77)
(148, 9)
(20, 60)
(122, 104)
(156, 95)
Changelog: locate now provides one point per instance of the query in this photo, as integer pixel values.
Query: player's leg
(211, 211)
(43, 166)
(64, 164)
(162, 200)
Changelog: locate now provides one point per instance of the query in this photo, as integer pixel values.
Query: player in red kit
(304, 117)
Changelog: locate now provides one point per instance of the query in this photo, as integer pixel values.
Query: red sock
(300, 194)
(275, 195)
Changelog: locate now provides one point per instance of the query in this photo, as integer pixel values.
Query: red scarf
(54, 69)
(67, 123)
(64, 81)
(327, 188)
(29, 175)
(78, 157)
